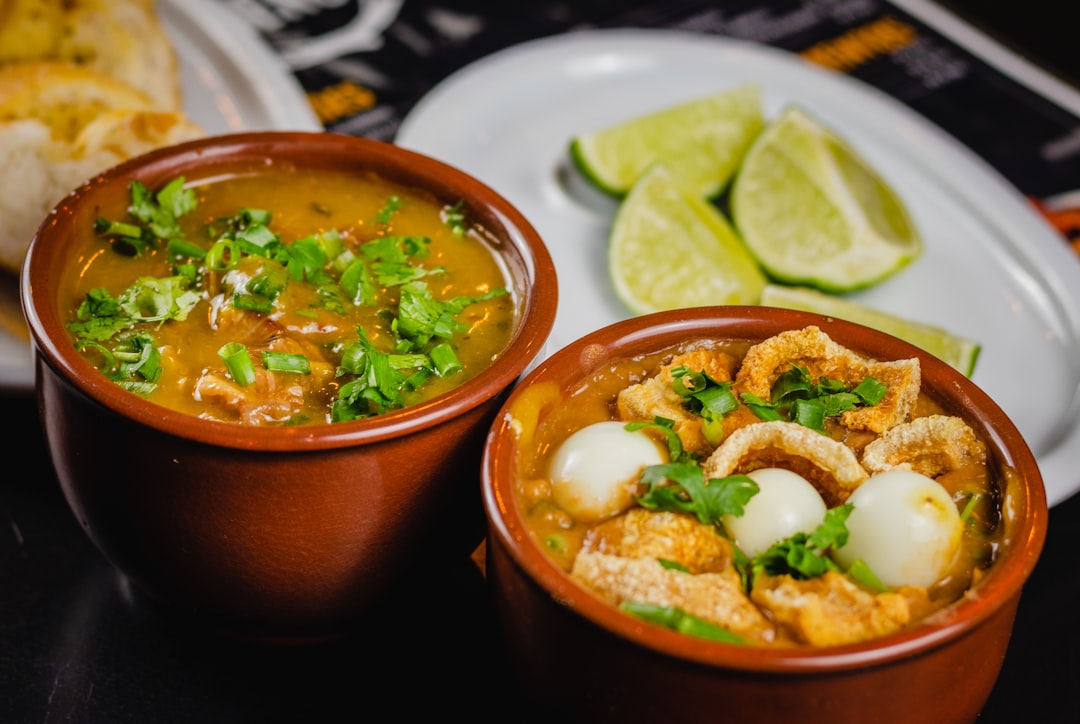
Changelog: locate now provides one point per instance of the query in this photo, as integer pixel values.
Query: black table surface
(77, 644)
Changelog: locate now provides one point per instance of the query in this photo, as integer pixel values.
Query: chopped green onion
(238, 363)
(286, 362)
(108, 363)
(445, 359)
(861, 573)
(256, 239)
(222, 255)
(252, 303)
(269, 282)
(183, 249)
(871, 391)
(808, 413)
(678, 620)
(967, 515)
(555, 542)
(670, 565)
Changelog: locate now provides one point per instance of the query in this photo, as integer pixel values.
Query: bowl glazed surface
(574, 653)
(285, 532)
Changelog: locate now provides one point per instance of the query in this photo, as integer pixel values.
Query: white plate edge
(1057, 464)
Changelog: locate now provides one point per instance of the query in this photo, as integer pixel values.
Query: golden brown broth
(558, 413)
(304, 203)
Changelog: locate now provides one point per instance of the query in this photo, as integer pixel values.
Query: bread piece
(40, 169)
(123, 39)
(62, 96)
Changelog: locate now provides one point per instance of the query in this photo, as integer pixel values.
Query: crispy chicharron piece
(831, 610)
(815, 351)
(655, 397)
(641, 533)
(829, 465)
(930, 445)
(714, 597)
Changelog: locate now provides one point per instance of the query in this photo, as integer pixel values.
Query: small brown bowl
(283, 533)
(583, 658)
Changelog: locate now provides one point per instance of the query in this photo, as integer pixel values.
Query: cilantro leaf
(805, 555)
(682, 487)
(160, 211)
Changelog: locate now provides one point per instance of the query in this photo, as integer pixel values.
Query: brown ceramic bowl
(582, 658)
(287, 532)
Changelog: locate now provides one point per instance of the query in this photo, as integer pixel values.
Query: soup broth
(642, 556)
(338, 317)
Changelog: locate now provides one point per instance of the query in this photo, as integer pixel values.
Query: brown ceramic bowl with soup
(751, 514)
(266, 364)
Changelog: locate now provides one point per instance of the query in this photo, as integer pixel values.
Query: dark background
(1043, 31)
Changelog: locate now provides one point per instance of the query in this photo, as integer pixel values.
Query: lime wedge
(813, 212)
(670, 249)
(701, 141)
(959, 352)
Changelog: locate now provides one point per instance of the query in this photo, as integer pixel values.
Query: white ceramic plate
(993, 270)
(231, 81)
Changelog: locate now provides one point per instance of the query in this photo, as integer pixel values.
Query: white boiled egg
(785, 504)
(904, 526)
(594, 470)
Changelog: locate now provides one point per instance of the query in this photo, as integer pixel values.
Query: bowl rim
(1001, 585)
(51, 347)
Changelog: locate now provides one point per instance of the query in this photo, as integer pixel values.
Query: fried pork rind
(815, 351)
(829, 465)
(655, 397)
(620, 561)
(931, 445)
(831, 610)
(714, 597)
(641, 533)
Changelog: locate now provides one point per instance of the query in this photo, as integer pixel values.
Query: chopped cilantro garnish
(342, 274)
(160, 211)
(454, 216)
(682, 487)
(421, 316)
(805, 555)
(795, 396)
(704, 396)
(386, 213)
(667, 428)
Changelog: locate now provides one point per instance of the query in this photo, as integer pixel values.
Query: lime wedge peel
(813, 212)
(958, 351)
(701, 141)
(669, 248)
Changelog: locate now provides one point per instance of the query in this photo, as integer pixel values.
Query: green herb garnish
(680, 621)
(797, 397)
(682, 487)
(804, 555)
(378, 379)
